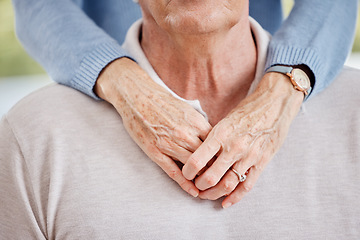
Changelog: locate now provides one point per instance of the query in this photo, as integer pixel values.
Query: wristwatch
(298, 77)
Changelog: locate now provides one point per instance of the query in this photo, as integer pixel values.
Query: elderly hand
(246, 140)
(165, 128)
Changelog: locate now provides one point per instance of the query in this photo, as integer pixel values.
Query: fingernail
(226, 205)
(193, 193)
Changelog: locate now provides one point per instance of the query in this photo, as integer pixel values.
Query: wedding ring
(241, 178)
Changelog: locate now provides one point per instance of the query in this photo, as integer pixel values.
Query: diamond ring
(241, 177)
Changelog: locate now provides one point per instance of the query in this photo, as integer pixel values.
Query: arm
(71, 47)
(263, 119)
(164, 127)
(318, 34)
(78, 53)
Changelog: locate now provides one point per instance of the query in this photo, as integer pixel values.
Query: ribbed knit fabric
(290, 55)
(318, 34)
(75, 40)
(92, 65)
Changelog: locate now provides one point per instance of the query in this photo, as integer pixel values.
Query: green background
(15, 61)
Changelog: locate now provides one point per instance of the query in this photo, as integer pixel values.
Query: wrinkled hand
(165, 128)
(246, 140)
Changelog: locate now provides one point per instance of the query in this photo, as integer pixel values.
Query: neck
(217, 67)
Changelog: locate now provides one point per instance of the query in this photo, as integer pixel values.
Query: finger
(244, 158)
(176, 152)
(243, 188)
(216, 171)
(173, 150)
(227, 184)
(204, 130)
(174, 172)
(201, 125)
(256, 153)
(207, 166)
(192, 131)
(191, 143)
(201, 157)
(264, 154)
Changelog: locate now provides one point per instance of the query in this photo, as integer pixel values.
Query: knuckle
(242, 148)
(247, 186)
(204, 128)
(229, 186)
(257, 154)
(194, 163)
(253, 156)
(188, 141)
(179, 132)
(155, 155)
(174, 174)
(230, 159)
(258, 167)
(152, 149)
(210, 180)
(159, 159)
(184, 133)
(237, 147)
(222, 133)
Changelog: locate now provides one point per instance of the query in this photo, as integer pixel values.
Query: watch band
(287, 70)
(281, 69)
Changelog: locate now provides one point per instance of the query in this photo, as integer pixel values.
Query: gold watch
(298, 77)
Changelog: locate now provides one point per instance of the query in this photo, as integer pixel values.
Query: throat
(217, 103)
(219, 85)
(215, 69)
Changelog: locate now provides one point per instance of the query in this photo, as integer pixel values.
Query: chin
(194, 16)
(198, 22)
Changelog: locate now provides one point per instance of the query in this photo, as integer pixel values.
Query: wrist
(106, 86)
(298, 77)
(309, 73)
(279, 87)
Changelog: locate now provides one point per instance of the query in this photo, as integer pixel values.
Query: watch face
(301, 79)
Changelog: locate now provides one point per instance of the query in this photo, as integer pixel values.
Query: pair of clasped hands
(170, 130)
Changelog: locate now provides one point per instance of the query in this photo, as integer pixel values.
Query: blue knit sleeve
(70, 45)
(317, 33)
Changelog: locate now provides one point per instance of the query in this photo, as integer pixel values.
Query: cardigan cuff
(287, 55)
(92, 65)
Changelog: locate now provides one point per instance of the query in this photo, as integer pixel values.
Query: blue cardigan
(75, 39)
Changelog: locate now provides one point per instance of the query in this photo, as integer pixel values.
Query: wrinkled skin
(247, 139)
(168, 129)
(165, 128)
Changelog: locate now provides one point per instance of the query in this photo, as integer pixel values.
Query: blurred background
(20, 75)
